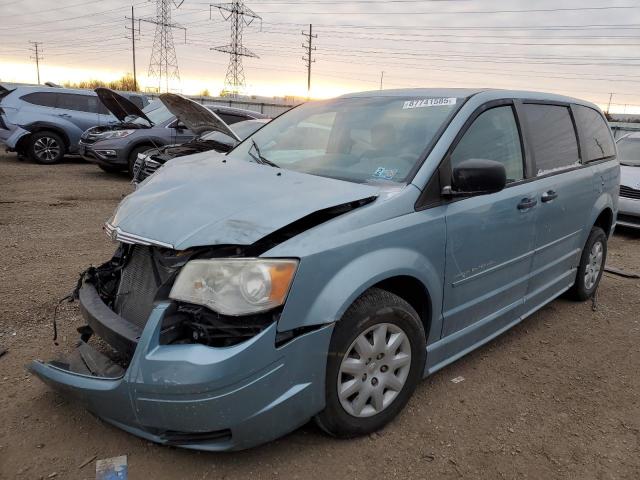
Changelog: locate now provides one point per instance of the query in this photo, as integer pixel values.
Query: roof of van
(468, 92)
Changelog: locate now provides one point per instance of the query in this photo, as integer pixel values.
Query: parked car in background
(45, 123)
(295, 278)
(629, 156)
(148, 162)
(115, 147)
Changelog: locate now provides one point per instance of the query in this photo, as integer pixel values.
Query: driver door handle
(527, 203)
(549, 196)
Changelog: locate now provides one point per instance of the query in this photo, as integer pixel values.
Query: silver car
(629, 155)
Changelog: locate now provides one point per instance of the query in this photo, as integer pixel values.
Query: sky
(581, 48)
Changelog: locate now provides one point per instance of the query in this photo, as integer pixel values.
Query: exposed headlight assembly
(235, 286)
(115, 134)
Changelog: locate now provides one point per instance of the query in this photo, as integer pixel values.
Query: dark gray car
(115, 147)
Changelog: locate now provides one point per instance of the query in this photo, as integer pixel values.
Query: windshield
(629, 151)
(157, 113)
(242, 129)
(354, 139)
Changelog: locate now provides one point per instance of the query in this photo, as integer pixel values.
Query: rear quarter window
(594, 133)
(552, 137)
(43, 99)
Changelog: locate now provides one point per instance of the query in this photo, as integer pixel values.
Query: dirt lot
(556, 397)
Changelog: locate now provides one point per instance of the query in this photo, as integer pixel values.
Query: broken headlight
(235, 286)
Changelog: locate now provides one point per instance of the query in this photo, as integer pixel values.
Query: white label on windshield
(429, 102)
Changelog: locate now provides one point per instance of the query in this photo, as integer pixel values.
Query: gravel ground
(556, 397)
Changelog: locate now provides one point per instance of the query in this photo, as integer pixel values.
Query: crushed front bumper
(199, 397)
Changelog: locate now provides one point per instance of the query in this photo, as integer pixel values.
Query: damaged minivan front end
(182, 343)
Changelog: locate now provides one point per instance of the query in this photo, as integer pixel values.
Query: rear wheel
(592, 261)
(376, 359)
(46, 147)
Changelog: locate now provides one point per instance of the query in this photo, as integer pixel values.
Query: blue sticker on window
(386, 173)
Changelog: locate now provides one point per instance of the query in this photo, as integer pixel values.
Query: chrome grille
(146, 168)
(629, 192)
(138, 287)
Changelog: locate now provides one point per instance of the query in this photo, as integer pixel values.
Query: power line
(239, 15)
(309, 52)
(37, 56)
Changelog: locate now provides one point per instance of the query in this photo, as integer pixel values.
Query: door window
(552, 136)
(493, 136)
(79, 103)
(595, 134)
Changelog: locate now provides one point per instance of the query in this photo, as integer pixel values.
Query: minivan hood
(120, 106)
(196, 117)
(208, 199)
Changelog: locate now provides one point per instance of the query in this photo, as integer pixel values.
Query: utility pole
(37, 56)
(308, 58)
(164, 63)
(239, 15)
(609, 105)
(132, 28)
(381, 78)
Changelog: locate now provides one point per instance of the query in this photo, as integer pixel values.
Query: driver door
(490, 238)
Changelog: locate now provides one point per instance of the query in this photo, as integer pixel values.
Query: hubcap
(594, 266)
(46, 148)
(374, 370)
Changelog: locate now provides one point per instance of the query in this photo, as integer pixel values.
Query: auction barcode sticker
(429, 102)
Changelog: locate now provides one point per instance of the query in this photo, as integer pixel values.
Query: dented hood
(120, 106)
(197, 118)
(202, 200)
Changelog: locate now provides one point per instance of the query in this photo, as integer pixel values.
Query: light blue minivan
(334, 258)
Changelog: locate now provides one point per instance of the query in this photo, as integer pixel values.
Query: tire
(132, 157)
(370, 314)
(591, 267)
(109, 169)
(46, 148)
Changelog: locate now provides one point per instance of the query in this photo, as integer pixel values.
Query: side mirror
(477, 176)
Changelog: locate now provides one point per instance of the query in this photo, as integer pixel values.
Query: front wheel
(591, 265)
(376, 359)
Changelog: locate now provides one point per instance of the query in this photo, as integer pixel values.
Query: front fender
(328, 282)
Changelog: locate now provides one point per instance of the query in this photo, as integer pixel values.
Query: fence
(271, 109)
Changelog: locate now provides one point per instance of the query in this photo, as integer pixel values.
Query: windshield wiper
(261, 159)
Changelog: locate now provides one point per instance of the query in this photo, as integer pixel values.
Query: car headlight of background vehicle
(115, 134)
(235, 286)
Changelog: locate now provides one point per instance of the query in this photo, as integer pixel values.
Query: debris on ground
(457, 380)
(2, 351)
(112, 468)
(621, 273)
(87, 462)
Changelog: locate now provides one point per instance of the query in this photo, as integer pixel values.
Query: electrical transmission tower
(164, 63)
(37, 56)
(308, 58)
(240, 16)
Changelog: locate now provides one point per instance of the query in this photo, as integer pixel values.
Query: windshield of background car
(629, 151)
(156, 112)
(354, 139)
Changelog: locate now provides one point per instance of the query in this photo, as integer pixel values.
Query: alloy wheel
(374, 370)
(594, 265)
(46, 149)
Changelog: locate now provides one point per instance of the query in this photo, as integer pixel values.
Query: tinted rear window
(552, 136)
(44, 99)
(594, 133)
